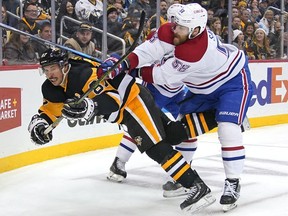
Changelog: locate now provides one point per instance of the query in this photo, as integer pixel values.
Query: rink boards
(20, 98)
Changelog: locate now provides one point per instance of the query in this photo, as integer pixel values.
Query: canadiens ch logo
(138, 140)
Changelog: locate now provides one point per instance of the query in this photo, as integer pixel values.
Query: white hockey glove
(86, 109)
(36, 129)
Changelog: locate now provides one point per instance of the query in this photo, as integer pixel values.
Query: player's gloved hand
(176, 132)
(72, 110)
(110, 62)
(36, 128)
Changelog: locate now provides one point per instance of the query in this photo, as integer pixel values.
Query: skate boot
(173, 189)
(230, 195)
(117, 171)
(199, 197)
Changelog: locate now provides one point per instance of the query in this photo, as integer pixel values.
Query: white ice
(77, 185)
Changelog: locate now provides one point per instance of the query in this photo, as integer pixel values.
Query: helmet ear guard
(192, 16)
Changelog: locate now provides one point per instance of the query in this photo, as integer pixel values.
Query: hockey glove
(176, 132)
(110, 62)
(36, 129)
(72, 110)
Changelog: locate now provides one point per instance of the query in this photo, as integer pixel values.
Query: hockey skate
(199, 197)
(230, 195)
(117, 171)
(173, 189)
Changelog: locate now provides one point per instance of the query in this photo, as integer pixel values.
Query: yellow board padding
(265, 121)
(268, 120)
(57, 151)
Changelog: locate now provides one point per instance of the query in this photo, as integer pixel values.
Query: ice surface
(77, 185)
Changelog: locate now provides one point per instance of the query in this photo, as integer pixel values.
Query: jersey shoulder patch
(193, 50)
(165, 33)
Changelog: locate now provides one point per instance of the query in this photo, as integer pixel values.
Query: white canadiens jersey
(83, 9)
(203, 64)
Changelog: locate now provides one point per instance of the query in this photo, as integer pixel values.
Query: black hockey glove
(36, 129)
(85, 109)
(176, 132)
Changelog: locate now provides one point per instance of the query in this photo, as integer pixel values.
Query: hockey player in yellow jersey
(120, 100)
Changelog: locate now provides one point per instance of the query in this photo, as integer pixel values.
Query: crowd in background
(256, 25)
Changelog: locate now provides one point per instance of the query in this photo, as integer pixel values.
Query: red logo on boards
(10, 108)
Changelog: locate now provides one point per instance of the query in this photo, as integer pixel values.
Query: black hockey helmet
(52, 56)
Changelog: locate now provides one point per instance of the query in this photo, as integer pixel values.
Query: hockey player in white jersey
(217, 76)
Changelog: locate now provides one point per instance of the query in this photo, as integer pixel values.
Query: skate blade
(114, 177)
(229, 207)
(175, 193)
(201, 204)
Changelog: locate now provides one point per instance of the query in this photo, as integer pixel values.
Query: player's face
(180, 34)
(53, 73)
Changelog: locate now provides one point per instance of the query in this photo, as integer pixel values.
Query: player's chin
(177, 41)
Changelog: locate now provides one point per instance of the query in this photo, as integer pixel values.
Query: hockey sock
(177, 167)
(233, 151)
(187, 149)
(126, 148)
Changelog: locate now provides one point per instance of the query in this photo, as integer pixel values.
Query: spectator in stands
(12, 5)
(43, 15)
(113, 27)
(242, 5)
(259, 48)
(89, 10)
(267, 22)
(219, 6)
(130, 28)
(30, 15)
(4, 20)
(210, 14)
(163, 16)
(263, 4)
(235, 12)
(255, 14)
(122, 13)
(46, 34)
(238, 39)
(216, 27)
(253, 4)
(236, 23)
(66, 9)
(245, 17)
(275, 40)
(19, 49)
(81, 40)
(248, 32)
(141, 5)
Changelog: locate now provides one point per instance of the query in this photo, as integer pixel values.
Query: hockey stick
(97, 82)
(2, 25)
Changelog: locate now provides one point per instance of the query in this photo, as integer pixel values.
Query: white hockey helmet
(172, 10)
(192, 16)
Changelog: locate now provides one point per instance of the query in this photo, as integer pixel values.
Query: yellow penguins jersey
(81, 75)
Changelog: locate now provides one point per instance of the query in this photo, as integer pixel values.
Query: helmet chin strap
(64, 73)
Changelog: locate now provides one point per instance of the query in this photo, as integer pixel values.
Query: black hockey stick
(2, 25)
(97, 82)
